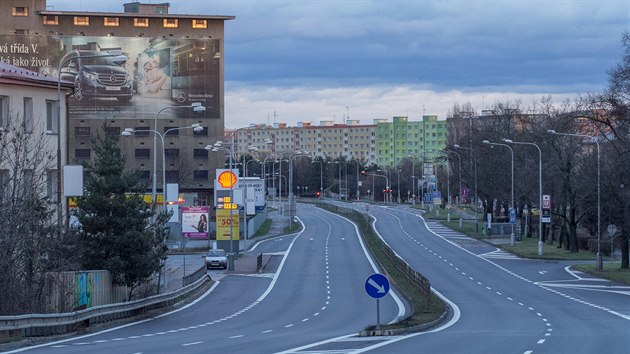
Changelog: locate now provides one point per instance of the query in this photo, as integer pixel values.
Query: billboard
(195, 222)
(150, 74)
(227, 225)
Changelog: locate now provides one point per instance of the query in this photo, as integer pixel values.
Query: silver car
(216, 259)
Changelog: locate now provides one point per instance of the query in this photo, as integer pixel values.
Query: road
(504, 304)
(315, 293)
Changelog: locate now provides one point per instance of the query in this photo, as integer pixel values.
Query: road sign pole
(378, 313)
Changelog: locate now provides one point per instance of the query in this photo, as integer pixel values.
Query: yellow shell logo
(227, 179)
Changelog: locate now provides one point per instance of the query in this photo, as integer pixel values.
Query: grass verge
(425, 308)
(611, 271)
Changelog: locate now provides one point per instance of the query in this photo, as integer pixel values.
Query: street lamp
(512, 237)
(598, 258)
(540, 244)
(321, 176)
(117, 54)
(128, 131)
(357, 162)
(475, 160)
(386, 183)
(459, 194)
(197, 107)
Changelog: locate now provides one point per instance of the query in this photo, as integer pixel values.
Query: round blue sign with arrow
(377, 285)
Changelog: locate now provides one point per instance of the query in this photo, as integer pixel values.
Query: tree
(115, 222)
(611, 117)
(29, 242)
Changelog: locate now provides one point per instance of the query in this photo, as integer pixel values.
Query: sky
(328, 60)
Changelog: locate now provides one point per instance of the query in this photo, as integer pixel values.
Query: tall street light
(197, 107)
(540, 244)
(459, 194)
(73, 55)
(512, 237)
(128, 131)
(357, 163)
(472, 152)
(321, 176)
(598, 258)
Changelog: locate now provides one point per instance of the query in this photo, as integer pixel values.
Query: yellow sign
(224, 225)
(227, 179)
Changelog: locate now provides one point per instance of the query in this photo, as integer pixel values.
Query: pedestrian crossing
(452, 235)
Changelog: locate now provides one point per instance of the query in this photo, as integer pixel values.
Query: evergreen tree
(115, 224)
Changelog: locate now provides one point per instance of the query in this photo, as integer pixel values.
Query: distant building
(401, 138)
(351, 140)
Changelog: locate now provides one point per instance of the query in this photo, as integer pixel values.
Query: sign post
(377, 286)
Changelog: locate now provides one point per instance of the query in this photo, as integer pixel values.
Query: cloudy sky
(331, 59)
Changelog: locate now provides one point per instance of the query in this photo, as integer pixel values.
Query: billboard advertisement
(195, 222)
(227, 225)
(125, 76)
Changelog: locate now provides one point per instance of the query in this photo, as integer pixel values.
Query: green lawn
(611, 271)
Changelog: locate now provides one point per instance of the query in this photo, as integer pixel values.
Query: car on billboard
(97, 76)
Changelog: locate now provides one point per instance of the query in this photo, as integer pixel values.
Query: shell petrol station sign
(225, 183)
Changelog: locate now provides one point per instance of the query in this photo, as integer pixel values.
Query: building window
(50, 20)
(141, 131)
(20, 11)
(111, 22)
(170, 23)
(200, 153)
(52, 123)
(172, 176)
(200, 174)
(141, 22)
(82, 154)
(143, 153)
(174, 132)
(81, 21)
(51, 185)
(199, 23)
(28, 114)
(4, 110)
(173, 153)
(203, 132)
(115, 131)
(81, 131)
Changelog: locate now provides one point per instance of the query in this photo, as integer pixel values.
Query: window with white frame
(4, 110)
(52, 122)
(51, 185)
(28, 114)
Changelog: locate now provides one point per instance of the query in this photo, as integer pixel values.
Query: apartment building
(402, 138)
(141, 69)
(31, 134)
(352, 139)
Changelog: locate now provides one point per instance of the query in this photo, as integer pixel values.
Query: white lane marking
(236, 336)
(267, 331)
(541, 341)
(189, 344)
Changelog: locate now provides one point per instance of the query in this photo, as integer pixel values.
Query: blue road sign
(512, 216)
(377, 285)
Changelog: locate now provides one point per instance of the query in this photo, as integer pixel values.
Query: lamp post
(246, 163)
(197, 107)
(321, 176)
(66, 58)
(512, 237)
(459, 194)
(386, 183)
(128, 131)
(598, 258)
(357, 163)
(472, 152)
(509, 141)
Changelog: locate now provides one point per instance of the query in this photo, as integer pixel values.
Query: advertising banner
(144, 74)
(195, 222)
(223, 225)
(259, 189)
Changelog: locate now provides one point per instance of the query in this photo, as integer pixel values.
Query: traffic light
(318, 194)
(363, 173)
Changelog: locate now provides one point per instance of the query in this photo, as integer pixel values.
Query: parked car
(216, 259)
(96, 77)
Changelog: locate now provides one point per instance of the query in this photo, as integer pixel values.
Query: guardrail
(49, 324)
(191, 278)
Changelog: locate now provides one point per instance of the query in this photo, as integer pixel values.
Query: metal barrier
(191, 278)
(48, 324)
